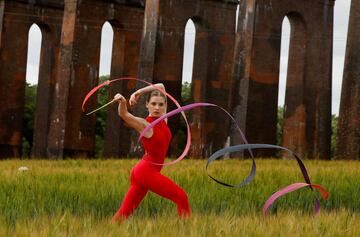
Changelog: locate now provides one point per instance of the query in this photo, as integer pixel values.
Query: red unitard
(146, 176)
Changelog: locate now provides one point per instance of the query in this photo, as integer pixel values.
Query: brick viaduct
(236, 69)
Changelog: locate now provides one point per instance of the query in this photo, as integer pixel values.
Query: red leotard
(146, 176)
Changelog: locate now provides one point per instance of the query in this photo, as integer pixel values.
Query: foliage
(102, 98)
(334, 123)
(28, 119)
(279, 125)
(30, 106)
(29, 115)
(279, 129)
(185, 99)
(186, 93)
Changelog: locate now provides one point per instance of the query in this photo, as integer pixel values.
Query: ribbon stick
(95, 110)
(108, 82)
(88, 95)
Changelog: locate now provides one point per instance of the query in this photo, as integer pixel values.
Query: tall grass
(78, 198)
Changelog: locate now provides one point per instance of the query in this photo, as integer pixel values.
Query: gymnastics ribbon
(249, 147)
(280, 193)
(108, 82)
(223, 151)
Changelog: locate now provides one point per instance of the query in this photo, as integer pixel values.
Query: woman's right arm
(139, 124)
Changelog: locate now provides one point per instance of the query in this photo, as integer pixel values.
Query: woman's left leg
(166, 188)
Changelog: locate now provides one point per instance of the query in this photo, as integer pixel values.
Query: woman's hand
(118, 97)
(134, 98)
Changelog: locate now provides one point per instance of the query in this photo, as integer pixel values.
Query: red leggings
(144, 178)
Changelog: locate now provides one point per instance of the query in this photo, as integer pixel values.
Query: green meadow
(79, 197)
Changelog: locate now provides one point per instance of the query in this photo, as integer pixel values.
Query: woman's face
(156, 106)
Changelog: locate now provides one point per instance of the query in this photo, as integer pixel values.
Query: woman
(146, 176)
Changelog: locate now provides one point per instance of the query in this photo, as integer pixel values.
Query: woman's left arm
(136, 95)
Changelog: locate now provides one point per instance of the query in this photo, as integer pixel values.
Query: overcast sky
(341, 17)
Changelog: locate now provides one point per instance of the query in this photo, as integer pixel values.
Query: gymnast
(146, 176)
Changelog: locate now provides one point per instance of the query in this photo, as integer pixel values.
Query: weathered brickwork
(16, 19)
(161, 58)
(307, 118)
(237, 69)
(348, 142)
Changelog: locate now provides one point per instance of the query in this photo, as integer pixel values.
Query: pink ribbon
(291, 188)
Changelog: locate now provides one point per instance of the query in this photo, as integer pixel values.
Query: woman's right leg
(131, 201)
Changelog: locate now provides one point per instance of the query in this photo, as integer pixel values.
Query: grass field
(78, 198)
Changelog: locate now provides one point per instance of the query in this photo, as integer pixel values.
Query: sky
(341, 18)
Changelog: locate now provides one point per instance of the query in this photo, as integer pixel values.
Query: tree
(29, 115)
(28, 119)
(186, 93)
(279, 125)
(182, 132)
(334, 123)
(102, 98)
